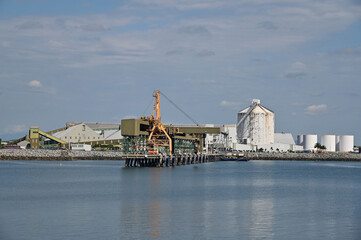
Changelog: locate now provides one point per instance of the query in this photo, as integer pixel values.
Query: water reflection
(262, 207)
(262, 219)
(154, 208)
(140, 207)
(256, 200)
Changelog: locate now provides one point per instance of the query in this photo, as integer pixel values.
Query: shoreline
(326, 156)
(66, 155)
(57, 155)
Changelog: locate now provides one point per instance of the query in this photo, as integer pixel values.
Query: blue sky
(99, 61)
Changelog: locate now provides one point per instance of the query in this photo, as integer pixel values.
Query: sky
(100, 61)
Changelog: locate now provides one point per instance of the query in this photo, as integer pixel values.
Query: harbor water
(221, 200)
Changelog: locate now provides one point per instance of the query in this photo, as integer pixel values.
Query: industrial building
(109, 131)
(184, 138)
(80, 133)
(148, 134)
(254, 131)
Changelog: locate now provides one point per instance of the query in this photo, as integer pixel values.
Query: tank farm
(149, 143)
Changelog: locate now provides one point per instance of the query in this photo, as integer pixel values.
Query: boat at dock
(234, 157)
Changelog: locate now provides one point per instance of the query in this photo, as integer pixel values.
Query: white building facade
(78, 133)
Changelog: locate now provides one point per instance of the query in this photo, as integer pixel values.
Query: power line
(175, 105)
(146, 109)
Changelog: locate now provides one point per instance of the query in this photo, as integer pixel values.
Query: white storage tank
(346, 143)
(300, 140)
(309, 141)
(337, 143)
(255, 125)
(329, 141)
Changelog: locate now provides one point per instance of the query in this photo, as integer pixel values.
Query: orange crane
(158, 135)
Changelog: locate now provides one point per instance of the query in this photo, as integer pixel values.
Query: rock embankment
(66, 155)
(60, 155)
(305, 156)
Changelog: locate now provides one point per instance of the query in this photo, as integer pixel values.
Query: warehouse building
(78, 133)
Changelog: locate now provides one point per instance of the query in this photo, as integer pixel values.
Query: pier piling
(167, 160)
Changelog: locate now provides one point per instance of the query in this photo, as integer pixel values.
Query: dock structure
(160, 160)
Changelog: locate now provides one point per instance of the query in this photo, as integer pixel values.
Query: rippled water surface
(223, 200)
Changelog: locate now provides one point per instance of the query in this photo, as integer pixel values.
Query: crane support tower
(158, 135)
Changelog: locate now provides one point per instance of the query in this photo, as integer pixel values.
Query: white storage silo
(346, 143)
(337, 143)
(329, 141)
(309, 141)
(300, 140)
(255, 124)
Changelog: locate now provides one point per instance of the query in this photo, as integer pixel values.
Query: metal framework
(158, 135)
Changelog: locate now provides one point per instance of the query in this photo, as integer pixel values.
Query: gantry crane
(158, 135)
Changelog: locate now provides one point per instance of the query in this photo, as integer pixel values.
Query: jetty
(168, 160)
(130, 160)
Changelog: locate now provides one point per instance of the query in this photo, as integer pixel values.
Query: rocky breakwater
(323, 156)
(58, 155)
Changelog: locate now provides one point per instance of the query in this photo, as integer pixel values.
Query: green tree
(319, 146)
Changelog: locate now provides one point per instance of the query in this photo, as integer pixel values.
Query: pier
(168, 160)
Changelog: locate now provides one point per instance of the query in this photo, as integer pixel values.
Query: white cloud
(35, 84)
(230, 105)
(56, 43)
(130, 117)
(15, 129)
(79, 41)
(37, 87)
(316, 109)
(298, 66)
(182, 4)
(297, 70)
(93, 27)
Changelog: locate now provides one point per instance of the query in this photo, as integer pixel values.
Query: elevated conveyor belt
(13, 142)
(35, 134)
(17, 141)
(44, 134)
(253, 106)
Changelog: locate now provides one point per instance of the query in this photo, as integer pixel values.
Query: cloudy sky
(99, 61)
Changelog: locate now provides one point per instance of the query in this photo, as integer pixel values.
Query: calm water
(224, 200)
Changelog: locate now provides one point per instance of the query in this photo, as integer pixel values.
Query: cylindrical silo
(300, 140)
(255, 124)
(309, 141)
(329, 141)
(346, 143)
(337, 143)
